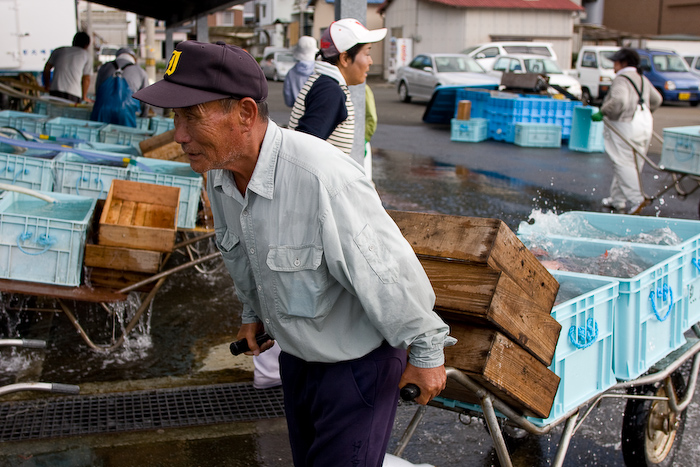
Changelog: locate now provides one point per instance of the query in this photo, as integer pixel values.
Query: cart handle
(582, 337)
(409, 392)
(666, 290)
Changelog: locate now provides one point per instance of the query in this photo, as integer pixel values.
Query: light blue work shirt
(316, 258)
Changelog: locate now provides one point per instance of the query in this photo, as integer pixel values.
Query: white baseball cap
(345, 33)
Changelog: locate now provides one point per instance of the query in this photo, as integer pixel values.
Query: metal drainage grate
(139, 410)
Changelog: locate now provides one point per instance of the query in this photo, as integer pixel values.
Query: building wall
(653, 17)
(439, 28)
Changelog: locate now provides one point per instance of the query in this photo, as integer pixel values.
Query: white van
(485, 54)
(594, 71)
(693, 62)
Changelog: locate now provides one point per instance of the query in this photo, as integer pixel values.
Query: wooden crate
(482, 273)
(141, 216)
(502, 367)
(123, 259)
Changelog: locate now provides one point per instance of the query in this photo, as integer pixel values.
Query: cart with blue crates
(662, 394)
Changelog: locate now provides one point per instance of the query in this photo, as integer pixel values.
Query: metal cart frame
(573, 419)
(106, 296)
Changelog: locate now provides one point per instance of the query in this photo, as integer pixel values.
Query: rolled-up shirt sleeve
(369, 256)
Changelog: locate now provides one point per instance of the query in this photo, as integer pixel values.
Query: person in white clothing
(627, 109)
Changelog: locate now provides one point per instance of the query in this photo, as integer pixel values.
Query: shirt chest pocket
(301, 280)
(235, 260)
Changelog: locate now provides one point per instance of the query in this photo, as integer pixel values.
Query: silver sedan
(427, 71)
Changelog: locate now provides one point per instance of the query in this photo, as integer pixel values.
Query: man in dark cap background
(317, 262)
(136, 77)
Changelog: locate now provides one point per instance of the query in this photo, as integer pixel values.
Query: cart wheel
(650, 427)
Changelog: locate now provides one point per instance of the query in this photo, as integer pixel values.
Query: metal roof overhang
(173, 12)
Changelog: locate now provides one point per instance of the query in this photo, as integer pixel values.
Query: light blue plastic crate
(43, 242)
(583, 359)
(109, 147)
(35, 173)
(471, 131)
(161, 125)
(586, 135)
(537, 135)
(33, 123)
(143, 123)
(89, 176)
(120, 134)
(64, 127)
(648, 313)
(175, 174)
(672, 233)
(77, 111)
(681, 150)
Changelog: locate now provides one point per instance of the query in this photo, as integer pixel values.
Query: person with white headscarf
(304, 53)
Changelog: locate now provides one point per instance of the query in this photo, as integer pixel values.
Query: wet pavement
(184, 339)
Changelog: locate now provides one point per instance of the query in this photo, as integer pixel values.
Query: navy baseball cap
(200, 72)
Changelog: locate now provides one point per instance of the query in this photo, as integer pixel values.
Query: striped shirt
(324, 108)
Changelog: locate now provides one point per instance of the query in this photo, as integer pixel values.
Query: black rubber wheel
(650, 428)
(403, 92)
(585, 96)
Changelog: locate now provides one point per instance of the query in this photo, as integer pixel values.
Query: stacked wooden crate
(137, 225)
(497, 298)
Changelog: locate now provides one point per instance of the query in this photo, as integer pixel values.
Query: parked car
(669, 73)
(537, 64)
(594, 70)
(276, 64)
(693, 62)
(427, 71)
(485, 54)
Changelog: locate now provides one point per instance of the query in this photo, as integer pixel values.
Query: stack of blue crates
(479, 99)
(504, 112)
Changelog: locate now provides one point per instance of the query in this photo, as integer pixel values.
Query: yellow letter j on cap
(173, 62)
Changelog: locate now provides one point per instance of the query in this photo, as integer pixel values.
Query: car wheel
(275, 77)
(403, 92)
(586, 96)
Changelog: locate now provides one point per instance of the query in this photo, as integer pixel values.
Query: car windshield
(469, 49)
(285, 57)
(542, 65)
(669, 63)
(457, 64)
(108, 51)
(605, 61)
(527, 49)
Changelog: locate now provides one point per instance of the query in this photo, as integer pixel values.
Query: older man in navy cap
(317, 262)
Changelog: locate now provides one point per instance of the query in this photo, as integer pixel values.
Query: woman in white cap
(323, 107)
(304, 53)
